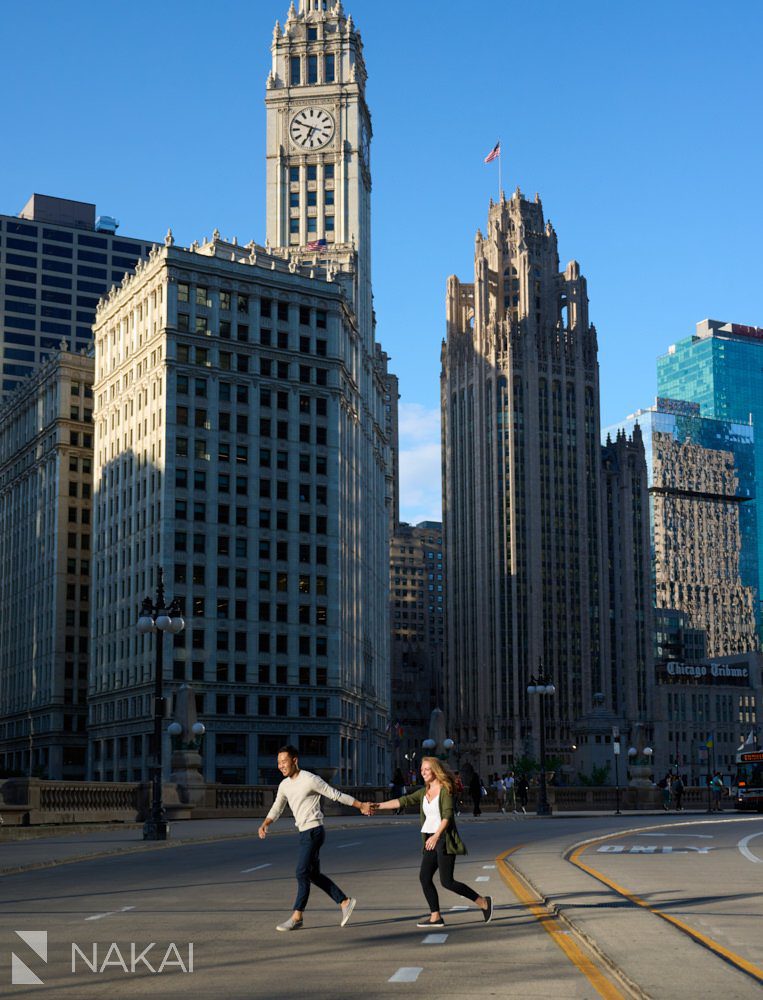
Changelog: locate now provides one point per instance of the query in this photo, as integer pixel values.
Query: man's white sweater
(303, 793)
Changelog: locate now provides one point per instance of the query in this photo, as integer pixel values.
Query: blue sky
(638, 124)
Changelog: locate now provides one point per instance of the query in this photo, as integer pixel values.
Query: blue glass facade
(721, 369)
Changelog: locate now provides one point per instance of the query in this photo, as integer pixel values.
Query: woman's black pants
(438, 860)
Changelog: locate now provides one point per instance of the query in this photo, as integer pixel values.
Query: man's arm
(275, 811)
(329, 792)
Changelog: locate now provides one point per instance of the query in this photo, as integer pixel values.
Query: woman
(441, 842)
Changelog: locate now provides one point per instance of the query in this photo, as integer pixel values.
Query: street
(624, 896)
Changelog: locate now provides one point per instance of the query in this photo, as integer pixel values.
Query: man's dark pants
(309, 868)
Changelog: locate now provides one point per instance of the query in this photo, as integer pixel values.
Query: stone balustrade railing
(32, 801)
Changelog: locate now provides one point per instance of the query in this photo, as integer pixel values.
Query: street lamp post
(439, 750)
(542, 686)
(159, 618)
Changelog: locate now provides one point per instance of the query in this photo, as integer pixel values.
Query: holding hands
(368, 808)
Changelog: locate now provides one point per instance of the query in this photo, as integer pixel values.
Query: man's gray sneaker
(347, 911)
(289, 925)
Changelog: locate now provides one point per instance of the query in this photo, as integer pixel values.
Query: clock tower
(318, 146)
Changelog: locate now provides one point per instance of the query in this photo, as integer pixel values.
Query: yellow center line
(730, 956)
(550, 923)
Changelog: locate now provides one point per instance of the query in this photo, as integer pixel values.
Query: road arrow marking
(745, 850)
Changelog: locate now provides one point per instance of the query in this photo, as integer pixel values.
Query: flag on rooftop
(316, 245)
(494, 152)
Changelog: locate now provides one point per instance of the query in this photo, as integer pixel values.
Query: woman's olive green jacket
(453, 843)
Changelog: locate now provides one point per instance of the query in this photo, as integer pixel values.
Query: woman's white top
(432, 817)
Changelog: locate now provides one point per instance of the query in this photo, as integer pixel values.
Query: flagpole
(500, 150)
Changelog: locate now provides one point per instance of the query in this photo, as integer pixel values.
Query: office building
(701, 475)
(46, 454)
(56, 260)
(720, 367)
(240, 443)
(417, 618)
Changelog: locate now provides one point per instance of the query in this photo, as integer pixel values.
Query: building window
(312, 69)
(294, 73)
(328, 69)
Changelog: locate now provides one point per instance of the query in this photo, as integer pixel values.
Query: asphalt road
(221, 901)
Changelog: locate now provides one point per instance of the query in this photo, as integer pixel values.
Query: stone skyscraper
(521, 484)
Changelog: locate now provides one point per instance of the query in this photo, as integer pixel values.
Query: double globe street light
(160, 618)
(543, 687)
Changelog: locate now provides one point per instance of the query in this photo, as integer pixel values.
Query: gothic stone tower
(521, 486)
(318, 144)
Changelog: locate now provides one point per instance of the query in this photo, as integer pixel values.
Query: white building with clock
(239, 427)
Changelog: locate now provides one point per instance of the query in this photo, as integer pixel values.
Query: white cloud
(420, 468)
(417, 424)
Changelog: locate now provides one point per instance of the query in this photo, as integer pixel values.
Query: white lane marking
(354, 843)
(489, 867)
(651, 849)
(111, 913)
(704, 836)
(459, 908)
(745, 850)
(245, 871)
(407, 974)
(435, 939)
(482, 878)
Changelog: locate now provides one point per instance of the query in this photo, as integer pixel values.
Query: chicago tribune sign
(674, 671)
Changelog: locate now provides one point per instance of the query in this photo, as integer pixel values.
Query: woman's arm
(389, 804)
(431, 841)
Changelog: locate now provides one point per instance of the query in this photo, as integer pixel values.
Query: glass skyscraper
(721, 369)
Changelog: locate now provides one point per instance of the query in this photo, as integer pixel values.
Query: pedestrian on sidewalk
(440, 839)
(716, 787)
(500, 792)
(511, 794)
(475, 792)
(302, 790)
(677, 791)
(664, 786)
(522, 789)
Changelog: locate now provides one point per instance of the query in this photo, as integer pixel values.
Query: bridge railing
(32, 801)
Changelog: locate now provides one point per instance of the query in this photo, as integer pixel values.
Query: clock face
(311, 128)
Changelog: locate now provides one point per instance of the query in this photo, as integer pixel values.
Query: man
(511, 798)
(522, 789)
(677, 791)
(303, 790)
(716, 787)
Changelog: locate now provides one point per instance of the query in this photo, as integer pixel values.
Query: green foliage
(598, 776)
(525, 765)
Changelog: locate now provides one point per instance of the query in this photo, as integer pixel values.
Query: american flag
(316, 245)
(494, 152)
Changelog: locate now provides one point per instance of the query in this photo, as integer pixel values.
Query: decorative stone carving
(169, 239)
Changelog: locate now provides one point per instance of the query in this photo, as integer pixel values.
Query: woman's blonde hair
(441, 772)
